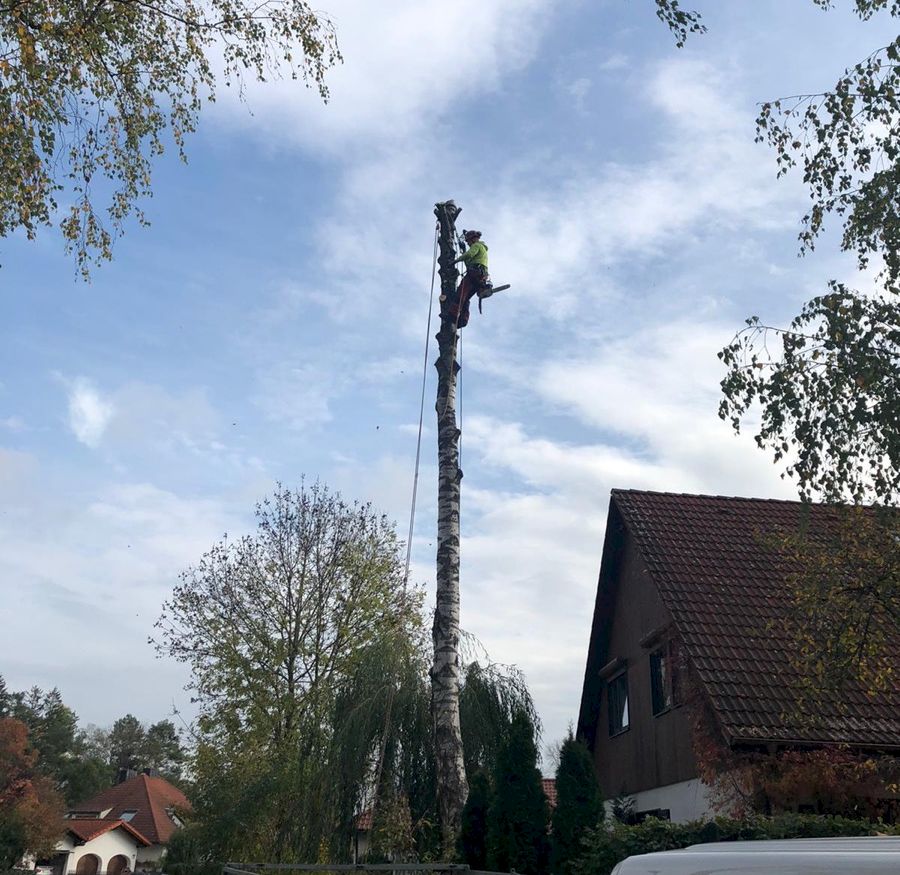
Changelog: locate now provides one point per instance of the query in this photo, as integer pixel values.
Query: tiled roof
(726, 593)
(87, 828)
(150, 796)
(364, 820)
(550, 790)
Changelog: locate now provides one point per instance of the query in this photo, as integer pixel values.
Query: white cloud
(13, 424)
(89, 412)
(95, 567)
(579, 91)
(297, 394)
(616, 61)
(705, 177)
(407, 61)
(153, 418)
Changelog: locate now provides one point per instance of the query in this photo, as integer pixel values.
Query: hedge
(612, 842)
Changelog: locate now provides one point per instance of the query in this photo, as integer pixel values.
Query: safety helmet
(471, 235)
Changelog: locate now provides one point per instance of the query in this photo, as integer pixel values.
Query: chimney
(125, 775)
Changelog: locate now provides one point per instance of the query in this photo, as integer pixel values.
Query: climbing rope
(459, 392)
(389, 708)
(415, 491)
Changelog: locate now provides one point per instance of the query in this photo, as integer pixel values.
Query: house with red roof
(124, 828)
(690, 614)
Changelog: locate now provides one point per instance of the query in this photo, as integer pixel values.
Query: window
(664, 677)
(127, 815)
(617, 701)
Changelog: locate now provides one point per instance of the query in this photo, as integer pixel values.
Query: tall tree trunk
(451, 773)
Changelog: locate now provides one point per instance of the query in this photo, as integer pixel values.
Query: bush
(473, 834)
(612, 842)
(518, 815)
(579, 806)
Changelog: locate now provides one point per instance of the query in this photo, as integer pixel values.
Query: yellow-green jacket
(477, 253)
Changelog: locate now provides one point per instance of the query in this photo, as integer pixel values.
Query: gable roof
(87, 828)
(148, 795)
(726, 593)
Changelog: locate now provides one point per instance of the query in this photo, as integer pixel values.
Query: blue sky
(271, 321)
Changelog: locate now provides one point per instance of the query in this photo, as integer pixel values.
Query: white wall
(105, 846)
(151, 854)
(686, 800)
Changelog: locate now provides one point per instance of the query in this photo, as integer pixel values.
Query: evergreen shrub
(473, 834)
(518, 816)
(579, 805)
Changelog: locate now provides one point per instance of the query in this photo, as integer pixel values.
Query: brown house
(689, 590)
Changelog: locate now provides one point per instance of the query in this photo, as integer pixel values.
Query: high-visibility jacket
(477, 253)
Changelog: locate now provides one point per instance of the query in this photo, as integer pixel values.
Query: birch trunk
(452, 786)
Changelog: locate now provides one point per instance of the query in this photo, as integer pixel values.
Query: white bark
(451, 774)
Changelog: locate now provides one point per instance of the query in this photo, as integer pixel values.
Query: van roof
(878, 855)
(841, 844)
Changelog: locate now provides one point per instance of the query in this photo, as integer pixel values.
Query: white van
(784, 857)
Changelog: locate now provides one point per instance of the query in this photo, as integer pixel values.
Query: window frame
(665, 687)
(623, 712)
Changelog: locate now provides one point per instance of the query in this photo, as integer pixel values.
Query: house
(123, 828)
(690, 605)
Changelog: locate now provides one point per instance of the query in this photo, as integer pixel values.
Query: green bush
(612, 842)
(518, 815)
(472, 847)
(579, 806)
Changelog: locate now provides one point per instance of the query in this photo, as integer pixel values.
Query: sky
(271, 322)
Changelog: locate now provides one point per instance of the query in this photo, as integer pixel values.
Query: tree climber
(475, 282)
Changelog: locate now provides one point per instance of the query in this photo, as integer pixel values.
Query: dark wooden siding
(654, 750)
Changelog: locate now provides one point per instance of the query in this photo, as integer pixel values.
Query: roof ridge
(747, 498)
(152, 801)
(101, 826)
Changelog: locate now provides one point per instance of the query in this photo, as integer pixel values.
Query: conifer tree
(473, 834)
(6, 699)
(579, 805)
(518, 815)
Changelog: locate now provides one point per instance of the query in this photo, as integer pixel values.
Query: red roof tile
(87, 828)
(151, 797)
(725, 591)
(549, 785)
